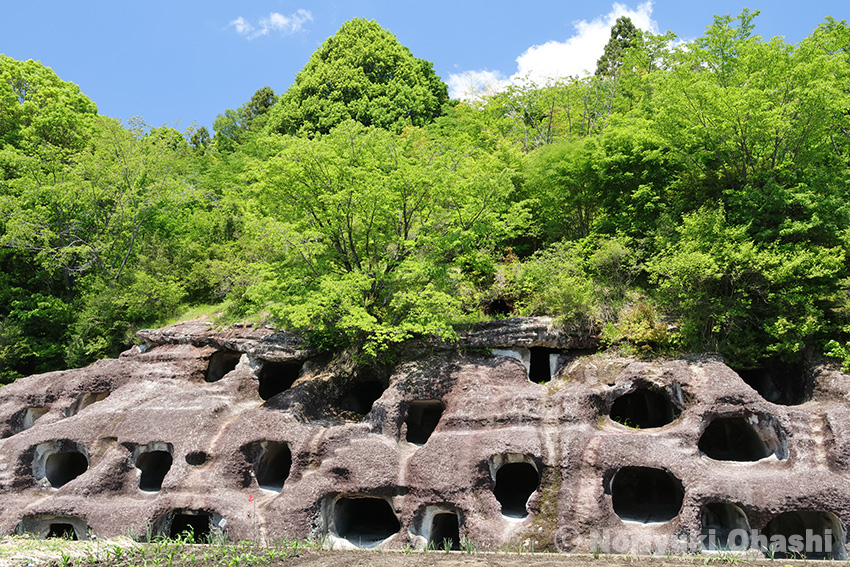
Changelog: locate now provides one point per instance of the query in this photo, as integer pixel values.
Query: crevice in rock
(83, 401)
(543, 364)
(276, 377)
(808, 534)
(422, 419)
(718, 521)
(364, 521)
(735, 438)
(154, 461)
(445, 526)
(644, 408)
(517, 478)
(646, 495)
(221, 362)
(778, 382)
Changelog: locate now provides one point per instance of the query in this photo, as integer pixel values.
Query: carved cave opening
(277, 377)
(646, 495)
(718, 521)
(44, 526)
(154, 465)
(543, 364)
(422, 419)
(365, 521)
(272, 466)
(515, 483)
(62, 531)
(644, 409)
(197, 523)
(62, 467)
(735, 439)
(360, 397)
(445, 527)
(777, 382)
(221, 363)
(806, 533)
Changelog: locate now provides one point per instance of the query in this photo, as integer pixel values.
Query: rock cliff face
(517, 436)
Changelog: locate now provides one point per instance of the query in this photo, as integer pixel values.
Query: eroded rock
(247, 431)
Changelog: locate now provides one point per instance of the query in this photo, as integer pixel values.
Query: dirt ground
(22, 551)
(455, 559)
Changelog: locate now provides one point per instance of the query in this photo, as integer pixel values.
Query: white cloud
(274, 22)
(242, 26)
(471, 85)
(553, 60)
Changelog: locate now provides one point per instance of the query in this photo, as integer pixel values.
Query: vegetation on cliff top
(685, 197)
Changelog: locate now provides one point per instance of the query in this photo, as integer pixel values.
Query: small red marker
(251, 498)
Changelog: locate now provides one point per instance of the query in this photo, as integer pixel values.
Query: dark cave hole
(643, 409)
(198, 524)
(445, 526)
(820, 535)
(718, 521)
(154, 466)
(422, 419)
(515, 483)
(273, 465)
(499, 307)
(365, 521)
(777, 382)
(196, 458)
(64, 466)
(646, 495)
(361, 396)
(541, 368)
(221, 362)
(62, 531)
(733, 439)
(277, 377)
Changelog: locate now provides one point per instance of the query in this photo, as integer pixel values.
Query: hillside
(688, 197)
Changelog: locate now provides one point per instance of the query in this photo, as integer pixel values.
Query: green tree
(624, 35)
(370, 226)
(234, 126)
(563, 184)
(362, 73)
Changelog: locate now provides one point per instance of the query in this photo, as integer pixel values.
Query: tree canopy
(362, 73)
(687, 197)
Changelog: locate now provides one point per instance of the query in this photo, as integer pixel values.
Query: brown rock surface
(249, 431)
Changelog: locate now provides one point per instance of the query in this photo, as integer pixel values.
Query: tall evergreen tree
(624, 34)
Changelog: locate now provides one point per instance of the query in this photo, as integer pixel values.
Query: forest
(686, 197)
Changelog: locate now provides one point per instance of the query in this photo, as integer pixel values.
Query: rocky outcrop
(516, 436)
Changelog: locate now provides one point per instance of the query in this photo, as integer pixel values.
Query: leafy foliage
(689, 197)
(362, 73)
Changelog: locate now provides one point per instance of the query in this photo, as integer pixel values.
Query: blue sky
(182, 61)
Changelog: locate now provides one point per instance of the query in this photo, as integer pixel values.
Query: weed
(468, 546)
